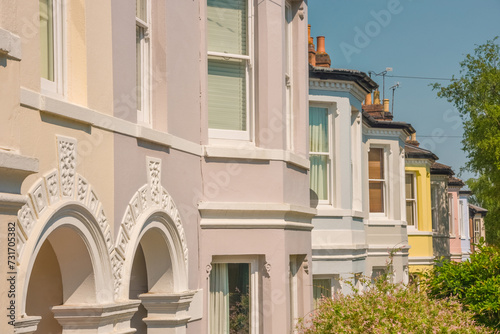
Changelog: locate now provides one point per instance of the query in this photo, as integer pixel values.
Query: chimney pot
(322, 58)
(376, 97)
(368, 99)
(321, 44)
(386, 105)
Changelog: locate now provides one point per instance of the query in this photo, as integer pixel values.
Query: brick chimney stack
(376, 109)
(322, 58)
(412, 140)
(312, 48)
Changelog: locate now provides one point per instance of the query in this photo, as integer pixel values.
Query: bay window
(142, 52)
(376, 179)
(319, 152)
(51, 46)
(411, 200)
(229, 68)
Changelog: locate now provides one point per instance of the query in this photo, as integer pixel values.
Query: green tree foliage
(389, 308)
(476, 96)
(475, 283)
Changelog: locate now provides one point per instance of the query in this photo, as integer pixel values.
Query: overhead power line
(413, 77)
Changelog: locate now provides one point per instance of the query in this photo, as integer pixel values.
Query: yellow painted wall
(421, 245)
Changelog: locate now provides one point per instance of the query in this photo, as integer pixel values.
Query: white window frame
(477, 223)
(246, 135)
(385, 213)
(451, 217)
(356, 157)
(330, 180)
(460, 218)
(254, 287)
(435, 206)
(288, 61)
(415, 200)
(144, 116)
(57, 87)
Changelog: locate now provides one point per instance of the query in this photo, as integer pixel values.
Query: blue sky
(425, 38)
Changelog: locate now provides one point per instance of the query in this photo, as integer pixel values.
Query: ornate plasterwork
(150, 197)
(340, 86)
(55, 188)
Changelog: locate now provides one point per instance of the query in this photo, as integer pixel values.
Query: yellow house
(418, 206)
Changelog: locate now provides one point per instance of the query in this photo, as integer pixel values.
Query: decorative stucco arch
(64, 199)
(151, 207)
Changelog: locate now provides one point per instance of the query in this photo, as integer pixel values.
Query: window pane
(410, 213)
(46, 40)
(227, 94)
(318, 129)
(140, 10)
(375, 164)
(139, 36)
(319, 176)
(321, 288)
(376, 196)
(227, 26)
(239, 298)
(410, 186)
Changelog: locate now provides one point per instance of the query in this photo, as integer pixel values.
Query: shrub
(389, 308)
(475, 283)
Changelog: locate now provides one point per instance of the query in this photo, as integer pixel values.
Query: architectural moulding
(339, 86)
(150, 207)
(60, 196)
(417, 162)
(384, 132)
(56, 187)
(50, 105)
(222, 215)
(10, 45)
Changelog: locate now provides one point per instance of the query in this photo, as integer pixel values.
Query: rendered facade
(179, 167)
(456, 220)
(441, 224)
(357, 181)
(420, 233)
(154, 160)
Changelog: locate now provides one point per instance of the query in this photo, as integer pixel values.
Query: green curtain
(318, 137)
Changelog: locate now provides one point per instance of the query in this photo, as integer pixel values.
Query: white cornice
(399, 133)
(410, 162)
(339, 86)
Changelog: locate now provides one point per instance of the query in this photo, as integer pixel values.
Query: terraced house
(163, 164)
(154, 163)
(357, 178)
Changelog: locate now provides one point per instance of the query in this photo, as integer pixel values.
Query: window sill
(325, 210)
(248, 151)
(419, 233)
(385, 222)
